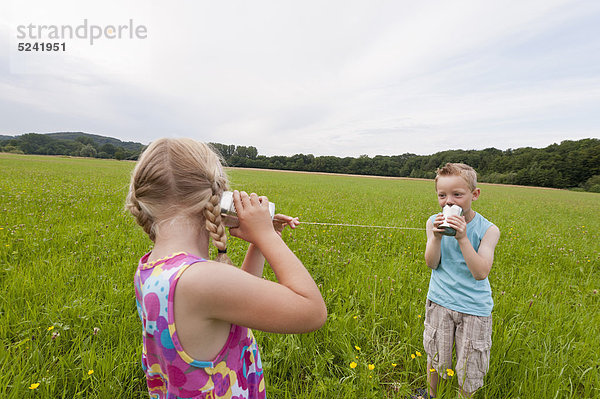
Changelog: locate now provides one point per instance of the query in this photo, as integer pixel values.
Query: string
(362, 225)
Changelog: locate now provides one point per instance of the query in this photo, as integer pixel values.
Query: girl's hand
(253, 214)
(280, 221)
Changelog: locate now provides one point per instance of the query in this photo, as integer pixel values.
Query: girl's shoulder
(154, 257)
(203, 274)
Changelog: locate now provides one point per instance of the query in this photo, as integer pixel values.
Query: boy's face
(454, 190)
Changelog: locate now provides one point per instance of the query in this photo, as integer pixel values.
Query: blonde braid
(214, 224)
(142, 217)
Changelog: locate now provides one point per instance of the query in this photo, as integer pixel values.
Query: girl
(197, 313)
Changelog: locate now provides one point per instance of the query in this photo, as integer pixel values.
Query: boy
(459, 301)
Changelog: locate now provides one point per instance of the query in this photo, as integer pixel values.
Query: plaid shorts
(472, 336)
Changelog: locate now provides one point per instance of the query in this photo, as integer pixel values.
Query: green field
(68, 252)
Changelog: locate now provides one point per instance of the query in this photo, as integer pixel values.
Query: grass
(67, 309)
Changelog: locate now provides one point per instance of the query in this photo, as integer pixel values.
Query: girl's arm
(434, 242)
(293, 304)
(254, 261)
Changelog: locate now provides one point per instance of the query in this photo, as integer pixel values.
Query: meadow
(69, 327)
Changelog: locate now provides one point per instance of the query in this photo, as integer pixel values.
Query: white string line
(362, 225)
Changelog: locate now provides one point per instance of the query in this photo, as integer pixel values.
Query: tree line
(73, 144)
(570, 164)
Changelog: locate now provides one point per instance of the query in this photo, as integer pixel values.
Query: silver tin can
(228, 212)
(450, 210)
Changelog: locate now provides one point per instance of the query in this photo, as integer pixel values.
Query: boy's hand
(459, 224)
(437, 231)
(280, 221)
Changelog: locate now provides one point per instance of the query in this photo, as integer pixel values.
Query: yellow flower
(371, 366)
(450, 372)
(418, 353)
(394, 364)
(419, 316)
(34, 386)
(50, 328)
(90, 372)
(432, 370)
(357, 347)
(353, 365)
(412, 355)
(355, 317)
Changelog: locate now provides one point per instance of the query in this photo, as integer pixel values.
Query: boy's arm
(480, 262)
(433, 248)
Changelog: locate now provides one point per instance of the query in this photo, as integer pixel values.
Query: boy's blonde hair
(458, 169)
(179, 177)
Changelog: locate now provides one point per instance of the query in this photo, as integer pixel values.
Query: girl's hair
(458, 169)
(179, 177)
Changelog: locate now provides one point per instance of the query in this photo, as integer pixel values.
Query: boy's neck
(469, 215)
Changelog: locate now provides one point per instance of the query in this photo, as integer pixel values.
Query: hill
(71, 143)
(97, 139)
(100, 140)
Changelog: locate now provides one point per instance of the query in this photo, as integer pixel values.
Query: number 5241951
(42, 46)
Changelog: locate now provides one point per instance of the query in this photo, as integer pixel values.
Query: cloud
(334, 78)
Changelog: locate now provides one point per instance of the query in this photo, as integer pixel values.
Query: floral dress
(235, 373)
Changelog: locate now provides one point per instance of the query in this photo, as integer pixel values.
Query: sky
(342, 78)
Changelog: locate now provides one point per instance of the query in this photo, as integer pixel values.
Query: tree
(108, 149)
(593, 184)
(85, 140)
(246, 152)
(120, 154)
(226, 151)
(87, 151)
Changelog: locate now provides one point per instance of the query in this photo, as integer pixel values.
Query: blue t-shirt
(452, 285)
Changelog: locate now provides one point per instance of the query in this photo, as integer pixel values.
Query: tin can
(450, 210)
(228, 212)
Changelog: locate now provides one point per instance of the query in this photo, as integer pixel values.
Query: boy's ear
(476, 193)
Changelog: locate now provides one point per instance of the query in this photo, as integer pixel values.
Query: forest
(569, 165)
(75, 144)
